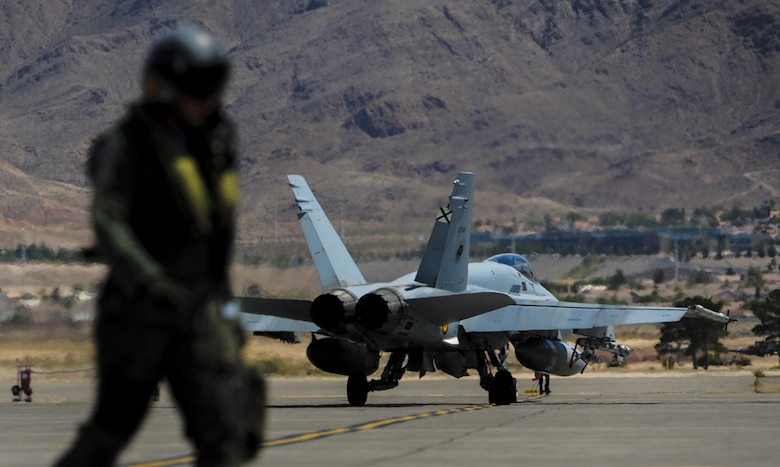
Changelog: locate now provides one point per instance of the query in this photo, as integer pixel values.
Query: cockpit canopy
(516, 261)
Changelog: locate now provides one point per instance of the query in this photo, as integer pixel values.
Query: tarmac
(704, 418)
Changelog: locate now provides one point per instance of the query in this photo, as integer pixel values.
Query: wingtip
(295, 180)
(464, 178)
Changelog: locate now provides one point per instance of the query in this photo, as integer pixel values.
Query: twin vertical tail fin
(445, 262)
(335, 266)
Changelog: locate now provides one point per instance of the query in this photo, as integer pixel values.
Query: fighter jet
(450, 314)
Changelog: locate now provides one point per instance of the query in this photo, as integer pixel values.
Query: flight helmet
(188, 60)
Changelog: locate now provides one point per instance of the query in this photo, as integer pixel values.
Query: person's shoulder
(122, 128)
(112, 142)
(99, 150)
(106, 144)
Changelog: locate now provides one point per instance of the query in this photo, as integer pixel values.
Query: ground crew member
(25, 383)
(544, 382)
(164, 206)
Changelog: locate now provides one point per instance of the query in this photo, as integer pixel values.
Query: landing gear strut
(358, 385)
(501, 387)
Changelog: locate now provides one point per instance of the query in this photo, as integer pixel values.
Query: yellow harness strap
(194, 190)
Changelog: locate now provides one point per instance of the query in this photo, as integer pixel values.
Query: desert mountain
(557, 105)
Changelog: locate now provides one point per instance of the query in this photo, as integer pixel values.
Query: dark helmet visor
(203, 82)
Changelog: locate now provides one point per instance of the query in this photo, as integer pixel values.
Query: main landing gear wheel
(357, 389)
(503, 388)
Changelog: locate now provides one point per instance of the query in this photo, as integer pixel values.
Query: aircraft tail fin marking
(335, 266)
(445, 261)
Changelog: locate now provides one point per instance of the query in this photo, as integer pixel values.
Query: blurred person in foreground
(164, 205)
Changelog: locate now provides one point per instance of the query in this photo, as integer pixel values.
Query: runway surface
(674, 419)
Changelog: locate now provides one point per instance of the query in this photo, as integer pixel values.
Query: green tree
(768, 312)
(254, 290)
(616, 280)
(761, 249)
(736, 216)
(638, 219)
(697, 333)
(706, 216)
(673, 217)
(611, 219)
(573, 217)
(658, 276)
(700, 277)
(56, 295)
(755, 278)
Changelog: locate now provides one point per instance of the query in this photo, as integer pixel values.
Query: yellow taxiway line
(311, 436)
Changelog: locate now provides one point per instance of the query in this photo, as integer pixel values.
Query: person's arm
(115, 183)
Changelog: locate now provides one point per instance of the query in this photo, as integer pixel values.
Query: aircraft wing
(541, 316)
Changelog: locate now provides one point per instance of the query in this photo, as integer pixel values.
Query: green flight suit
(164, 210)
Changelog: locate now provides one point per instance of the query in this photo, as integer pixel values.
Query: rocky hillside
(557, 105)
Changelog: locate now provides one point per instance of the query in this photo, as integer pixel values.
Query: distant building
(623, 242)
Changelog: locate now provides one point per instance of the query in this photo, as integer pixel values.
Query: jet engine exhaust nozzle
(381, 310)
(333, 309)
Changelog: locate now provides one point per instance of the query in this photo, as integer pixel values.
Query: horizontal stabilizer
(274, 324)
(276, 315)
(282, 307)
(541, 316)
(446, 309)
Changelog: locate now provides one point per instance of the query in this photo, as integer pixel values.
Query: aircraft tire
(357, 389)
(503, 389)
